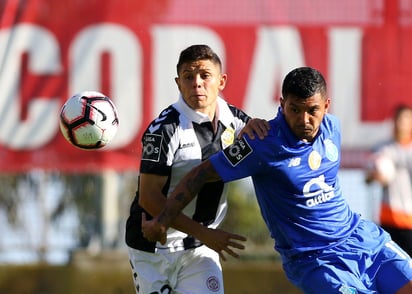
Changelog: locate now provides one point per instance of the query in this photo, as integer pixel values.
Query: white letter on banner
(42, 120)
(278, 50)
(169, 41)
(345, 76)
(126, 76)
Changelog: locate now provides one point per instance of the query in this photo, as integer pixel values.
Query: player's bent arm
(152, 200)
(186, 190)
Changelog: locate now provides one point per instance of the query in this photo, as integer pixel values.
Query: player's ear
(327, 104)
(222, 81)
(177, 81)
(282, 102)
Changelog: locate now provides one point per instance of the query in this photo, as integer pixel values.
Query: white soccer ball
(88, 120)
(385, 167)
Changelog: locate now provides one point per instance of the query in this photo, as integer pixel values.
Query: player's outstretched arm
(153, 201)
(186, 190)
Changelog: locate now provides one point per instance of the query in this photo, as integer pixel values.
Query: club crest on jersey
(227, 137)
(331, 150)
(151, 147)
(213, 284)
(314, 160)
(237, 152)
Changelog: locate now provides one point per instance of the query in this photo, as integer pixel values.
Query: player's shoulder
(237, 112)
(331, 119)
(167, 119)
(331, 122)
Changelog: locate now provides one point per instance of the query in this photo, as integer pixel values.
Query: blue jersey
(296, 185)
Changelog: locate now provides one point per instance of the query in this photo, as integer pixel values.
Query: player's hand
(255, 126)
(222, 241)
(153, 230)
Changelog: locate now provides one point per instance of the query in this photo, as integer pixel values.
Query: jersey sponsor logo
(331, 150)
(228, 137)
(317, 191)
(347, 290)
(187, 145)
(237, 152)
(213, 284)
(151, 147)
(314, 160)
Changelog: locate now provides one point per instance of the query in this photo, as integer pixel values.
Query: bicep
(205, 172)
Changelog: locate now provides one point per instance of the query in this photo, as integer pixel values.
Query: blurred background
(62, 209)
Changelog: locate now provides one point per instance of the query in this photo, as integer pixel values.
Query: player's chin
(197, 101)
(305, 134)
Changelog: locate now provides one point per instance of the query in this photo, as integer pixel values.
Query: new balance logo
(294, 162)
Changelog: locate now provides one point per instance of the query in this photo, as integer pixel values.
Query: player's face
(200, 83)
(304, 116)
(403, 124)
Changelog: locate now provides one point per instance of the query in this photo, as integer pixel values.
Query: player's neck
(404, 139)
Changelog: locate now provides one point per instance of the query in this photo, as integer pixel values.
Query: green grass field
(111, 275)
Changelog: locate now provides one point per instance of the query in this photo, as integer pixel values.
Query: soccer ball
(88, 120)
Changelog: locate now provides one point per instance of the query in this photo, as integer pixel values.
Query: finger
(143, 217)
(262, 132)
(236, 245)
(222, 256)
(231, 252)
(163, 239)
(250, 134)
(266, 124)
(238, 237)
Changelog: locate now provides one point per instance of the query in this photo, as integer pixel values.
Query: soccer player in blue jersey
(325, 247)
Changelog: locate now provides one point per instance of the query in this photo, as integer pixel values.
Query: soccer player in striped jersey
(186, 133)
(325, 246)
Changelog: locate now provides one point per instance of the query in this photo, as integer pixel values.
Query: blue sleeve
(237, 161)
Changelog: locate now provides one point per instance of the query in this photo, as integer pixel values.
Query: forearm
(185, 191)
(154, 206)
(181, 196)
(188, 187)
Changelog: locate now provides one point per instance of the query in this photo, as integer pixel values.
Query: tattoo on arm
(186, 190)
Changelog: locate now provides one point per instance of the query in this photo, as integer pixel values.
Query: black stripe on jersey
(208, 198)
(239, 113)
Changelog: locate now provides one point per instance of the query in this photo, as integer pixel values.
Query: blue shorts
(366, 262)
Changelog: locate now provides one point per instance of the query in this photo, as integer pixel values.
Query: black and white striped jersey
(176, 141)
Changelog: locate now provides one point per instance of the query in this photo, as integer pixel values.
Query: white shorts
(192, 271)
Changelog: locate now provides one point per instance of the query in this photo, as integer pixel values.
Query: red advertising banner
(50, 50)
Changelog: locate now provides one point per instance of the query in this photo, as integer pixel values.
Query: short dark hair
(303, 82)
(195, 53)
